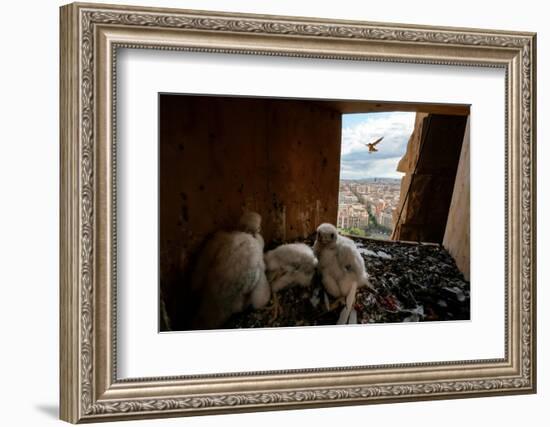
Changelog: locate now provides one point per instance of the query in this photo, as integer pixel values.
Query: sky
(359, 129)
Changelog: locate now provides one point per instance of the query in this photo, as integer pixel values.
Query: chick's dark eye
(332, 235)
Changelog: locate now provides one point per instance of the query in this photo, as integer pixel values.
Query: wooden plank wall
(430, 167)
(220, 156)
(457, 231)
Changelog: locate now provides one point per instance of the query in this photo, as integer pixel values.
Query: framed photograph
(267, 212)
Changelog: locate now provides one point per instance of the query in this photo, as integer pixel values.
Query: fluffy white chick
(230, 274)
(289, 265)
(341, 266)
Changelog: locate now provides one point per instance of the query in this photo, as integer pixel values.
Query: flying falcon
(371, 145)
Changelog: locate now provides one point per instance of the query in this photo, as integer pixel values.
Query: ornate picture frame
(90, 37)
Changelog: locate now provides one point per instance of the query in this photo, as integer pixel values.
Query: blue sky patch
(360, 129)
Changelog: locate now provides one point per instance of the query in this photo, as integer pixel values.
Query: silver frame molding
(90, 36)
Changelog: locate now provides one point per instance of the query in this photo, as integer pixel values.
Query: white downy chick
(290, 264)
(230, 274)
(341, 266)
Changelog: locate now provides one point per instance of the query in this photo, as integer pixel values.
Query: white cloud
(383, 168)
(356, 161)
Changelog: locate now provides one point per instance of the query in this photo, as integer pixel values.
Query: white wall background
(29, 171)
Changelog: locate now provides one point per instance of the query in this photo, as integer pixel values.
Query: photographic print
(309, 212)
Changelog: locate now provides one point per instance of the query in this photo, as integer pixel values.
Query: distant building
(386, 219)
(353, 216)
(357, 197)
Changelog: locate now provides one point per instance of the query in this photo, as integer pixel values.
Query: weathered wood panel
(457, 231)
(430, 164)
(220, 156)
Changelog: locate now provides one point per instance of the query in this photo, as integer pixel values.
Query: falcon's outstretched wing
(377, 141)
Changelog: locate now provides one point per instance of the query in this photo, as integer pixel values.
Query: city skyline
(368, 207)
